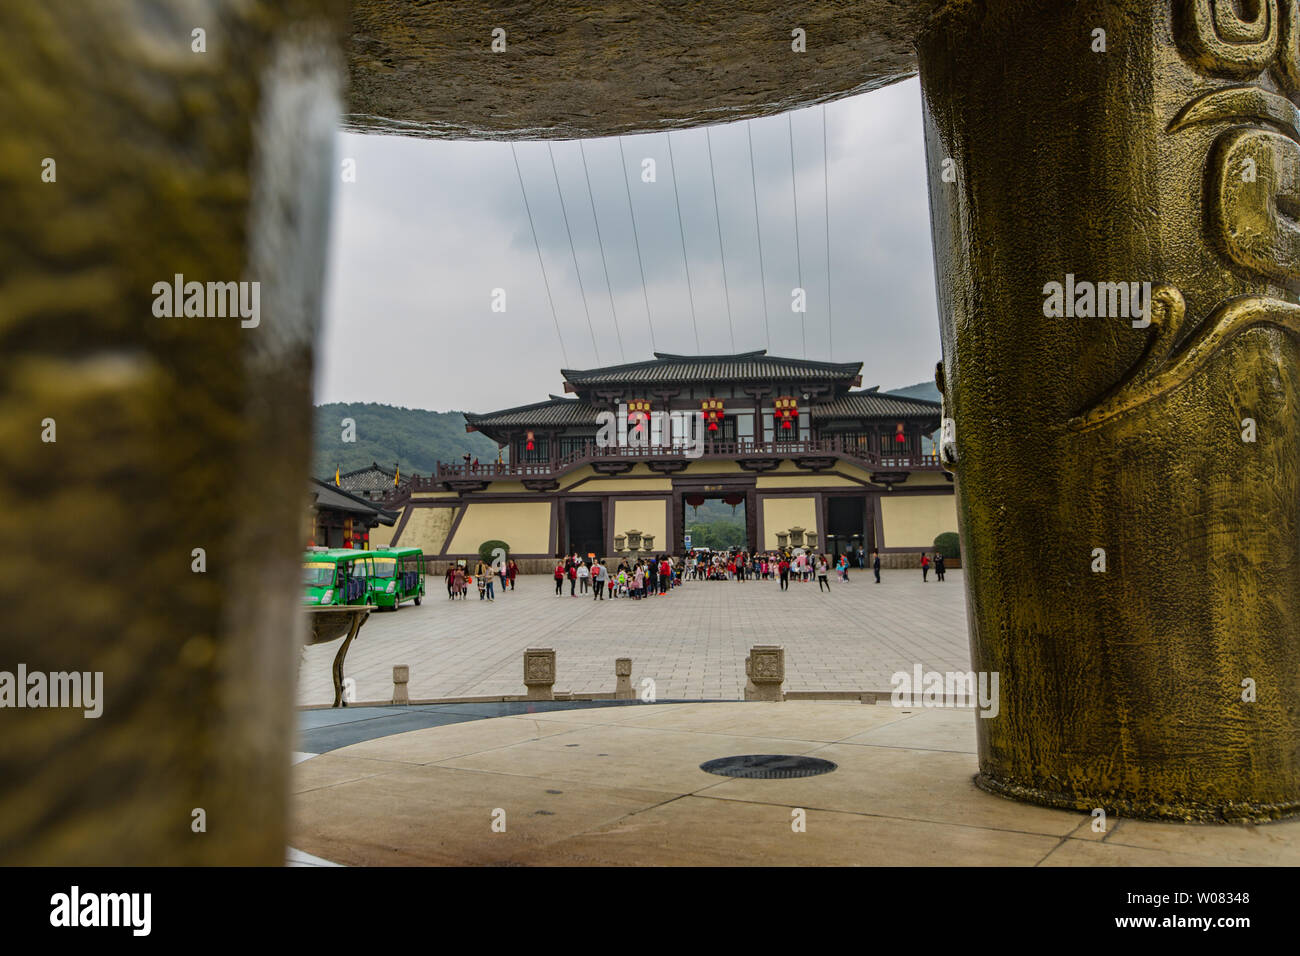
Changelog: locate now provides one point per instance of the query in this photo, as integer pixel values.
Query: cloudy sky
(430, 228)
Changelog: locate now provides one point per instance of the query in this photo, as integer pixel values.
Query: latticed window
(780, 433)
(541, 450)
(857, 441)
(890, 445)
(726, 430)
(574, 444)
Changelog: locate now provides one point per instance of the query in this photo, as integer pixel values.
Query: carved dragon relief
(1252, 192)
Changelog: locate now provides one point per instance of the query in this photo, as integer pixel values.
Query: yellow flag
(336, 476)
(397, 477)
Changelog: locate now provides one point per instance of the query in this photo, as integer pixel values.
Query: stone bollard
(401, 676)
(623, 671)
(539, 673)
(765, 672)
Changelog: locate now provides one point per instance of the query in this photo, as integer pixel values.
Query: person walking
(512, 571)
(458, 582)
(501, 569)
(583, 574)
(486, 581)
(573, 577)
(925, 567)
(600, 577)
(938, 566)
(783, 568)
(481, 571)
(559, 578)
(875, 564)
(822, 571)
(451, 582)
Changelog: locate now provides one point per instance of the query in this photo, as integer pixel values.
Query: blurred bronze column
(138, 142)
(1129, 495)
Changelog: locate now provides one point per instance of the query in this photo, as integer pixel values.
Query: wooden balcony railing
(591, 453)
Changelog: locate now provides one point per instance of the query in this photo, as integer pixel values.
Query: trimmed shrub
(488, 549)
(948, 544)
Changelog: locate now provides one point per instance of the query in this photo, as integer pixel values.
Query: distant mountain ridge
(926, 390)
(413, 438)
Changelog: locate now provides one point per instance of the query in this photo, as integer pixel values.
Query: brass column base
(1117, 806)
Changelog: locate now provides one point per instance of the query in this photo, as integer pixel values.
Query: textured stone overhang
(572, 69)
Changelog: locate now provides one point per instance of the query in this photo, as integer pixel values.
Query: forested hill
(412, 437)
(927, 390)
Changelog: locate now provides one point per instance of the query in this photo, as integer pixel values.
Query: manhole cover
(767, 766)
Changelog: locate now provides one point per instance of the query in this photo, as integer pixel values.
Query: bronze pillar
(1129, 494)
(174, 152)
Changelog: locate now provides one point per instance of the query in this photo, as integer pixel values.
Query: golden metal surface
(1170, 158)
(172, 433)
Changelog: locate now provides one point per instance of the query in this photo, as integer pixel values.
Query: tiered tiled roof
(331, 498)
(368, 480)
(553, 413)
(741, 368)
(872, 404)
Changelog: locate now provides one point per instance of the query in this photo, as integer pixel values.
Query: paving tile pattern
(692, 643)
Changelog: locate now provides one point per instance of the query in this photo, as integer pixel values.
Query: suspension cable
(536, 245)
(826, 198)
(794, 187)
(672, 167)
(604, 264)
(574, 252)
(758, 230)
(708, 136)
(635, 238)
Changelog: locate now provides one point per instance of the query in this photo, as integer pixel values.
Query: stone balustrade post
(765, 670)
(539, 673)
(401, 677)
(623, 673)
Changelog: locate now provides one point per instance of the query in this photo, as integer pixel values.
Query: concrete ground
(621, 785)
(692, 643)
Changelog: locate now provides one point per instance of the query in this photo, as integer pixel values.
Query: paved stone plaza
(623, 786)
(692, 643)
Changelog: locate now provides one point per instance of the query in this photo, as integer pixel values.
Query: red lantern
(899, 436)
(787, 411)
(638, 410)
(529, 446)
(711, 409)
(695, 500)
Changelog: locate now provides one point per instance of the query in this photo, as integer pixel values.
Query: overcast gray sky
(430, 228)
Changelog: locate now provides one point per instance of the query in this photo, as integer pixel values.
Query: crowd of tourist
(638, 578)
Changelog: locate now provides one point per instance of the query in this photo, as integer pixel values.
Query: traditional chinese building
(815, 459)
(340, 519)
(374, 482)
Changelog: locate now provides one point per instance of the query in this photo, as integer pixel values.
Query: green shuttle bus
(398, 576)
(338, 576)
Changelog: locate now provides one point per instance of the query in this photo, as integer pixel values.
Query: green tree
(948, 544)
